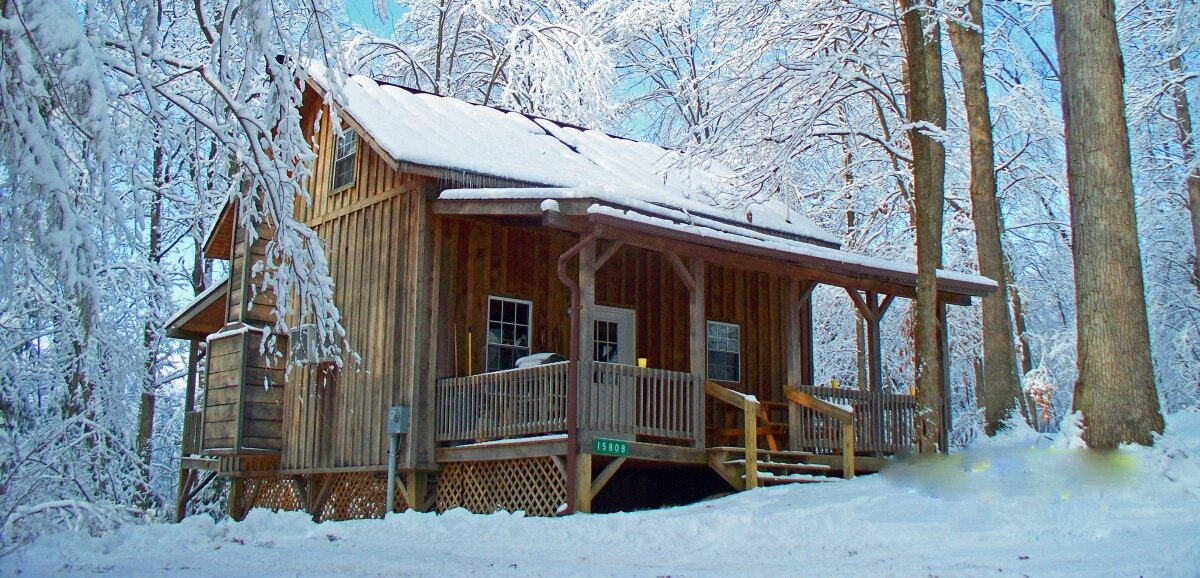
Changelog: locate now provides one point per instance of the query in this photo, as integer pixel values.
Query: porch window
(343, 159)
(724, 351)
(508, 332)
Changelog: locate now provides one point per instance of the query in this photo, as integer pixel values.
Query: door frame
(626, 320)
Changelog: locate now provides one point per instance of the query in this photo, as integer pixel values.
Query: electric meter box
(397, 419)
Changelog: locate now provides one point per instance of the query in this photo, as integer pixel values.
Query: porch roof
(202, 316)
(825, 264)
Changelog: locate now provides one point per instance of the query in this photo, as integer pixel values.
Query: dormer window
(343, 160)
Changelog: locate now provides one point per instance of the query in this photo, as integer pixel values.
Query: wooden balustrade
(883, 422)
(503, 404)
(841, 436)
(750, 412)
(620, 401)
(629, 401)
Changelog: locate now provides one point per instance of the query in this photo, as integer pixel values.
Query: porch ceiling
(674, 231)
(218, 243)
(203, 316)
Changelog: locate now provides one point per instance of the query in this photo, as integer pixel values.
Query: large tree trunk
(1115, 391)
(1183, 121)
(926, 103)
(1000, 388)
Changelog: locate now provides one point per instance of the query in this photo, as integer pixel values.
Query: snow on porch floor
(1015, 506)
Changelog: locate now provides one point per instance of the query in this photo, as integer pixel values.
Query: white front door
(614, 335)
(611, 410)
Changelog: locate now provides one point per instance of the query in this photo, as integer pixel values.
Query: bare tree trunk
(1183, 121)
(1000, 387)
(1115, 390)
(145, 431)
(926, 103)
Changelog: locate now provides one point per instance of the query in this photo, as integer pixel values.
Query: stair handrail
(842, 413)
(750, 409)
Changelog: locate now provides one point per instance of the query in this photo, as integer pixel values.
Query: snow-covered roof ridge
(420, 128)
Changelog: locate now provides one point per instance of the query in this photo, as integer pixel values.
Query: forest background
(128, 123)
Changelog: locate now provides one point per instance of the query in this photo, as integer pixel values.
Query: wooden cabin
(674, 317)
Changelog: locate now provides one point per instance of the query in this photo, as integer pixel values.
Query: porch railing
(503, 404)
(841, 434)
(620, 401)
(883, 422)
(639, 401)
(750, 408)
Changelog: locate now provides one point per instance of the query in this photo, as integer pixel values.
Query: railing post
(848, 448)
(750, 415)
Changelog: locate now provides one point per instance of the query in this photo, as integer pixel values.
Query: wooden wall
(335, 418)
(260, 311)
(754, 301)
(483, 257)
(239, 412)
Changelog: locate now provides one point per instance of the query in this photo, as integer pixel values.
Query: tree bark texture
(1115, 390)
(999, 390)
(926, 104)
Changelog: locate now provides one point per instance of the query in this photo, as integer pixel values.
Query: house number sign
(606, 447)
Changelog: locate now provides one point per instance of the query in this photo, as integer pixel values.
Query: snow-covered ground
(1014, 506)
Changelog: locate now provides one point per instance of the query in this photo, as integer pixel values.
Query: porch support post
(189, 405)
(791, 332)
(806, 334)
(697, 334)
(797, 309)
(418, 490)
(798, 330)
(944, 377)
(586, 264)
(872, 311)
(583, 481)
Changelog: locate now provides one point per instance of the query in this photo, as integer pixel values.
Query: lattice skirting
(354, 496)
(534, 485)
(359, 496)
(276, 493)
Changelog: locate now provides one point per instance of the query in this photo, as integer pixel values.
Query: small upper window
(507, 332)
(724, 351)
(343, 160)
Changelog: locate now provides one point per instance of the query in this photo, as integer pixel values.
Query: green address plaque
(606, 447)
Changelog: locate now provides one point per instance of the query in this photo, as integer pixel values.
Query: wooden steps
(775, 467)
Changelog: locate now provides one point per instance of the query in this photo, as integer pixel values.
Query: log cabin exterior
(462, 237)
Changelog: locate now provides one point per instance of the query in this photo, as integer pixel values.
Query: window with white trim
(507, 332)
(343, 158)
(724, 351)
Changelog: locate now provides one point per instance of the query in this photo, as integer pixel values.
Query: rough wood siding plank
(358, 383)
(373, 305)
(233, 304)
(256, 411)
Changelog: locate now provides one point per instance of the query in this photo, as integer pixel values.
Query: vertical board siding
(335, 418)
(753, 301)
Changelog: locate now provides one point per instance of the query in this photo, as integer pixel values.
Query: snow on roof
(829, 257)
(443, 132)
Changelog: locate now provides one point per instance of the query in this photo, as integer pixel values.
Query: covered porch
(766, 422)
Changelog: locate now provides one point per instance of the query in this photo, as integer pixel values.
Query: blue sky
(362, 12)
